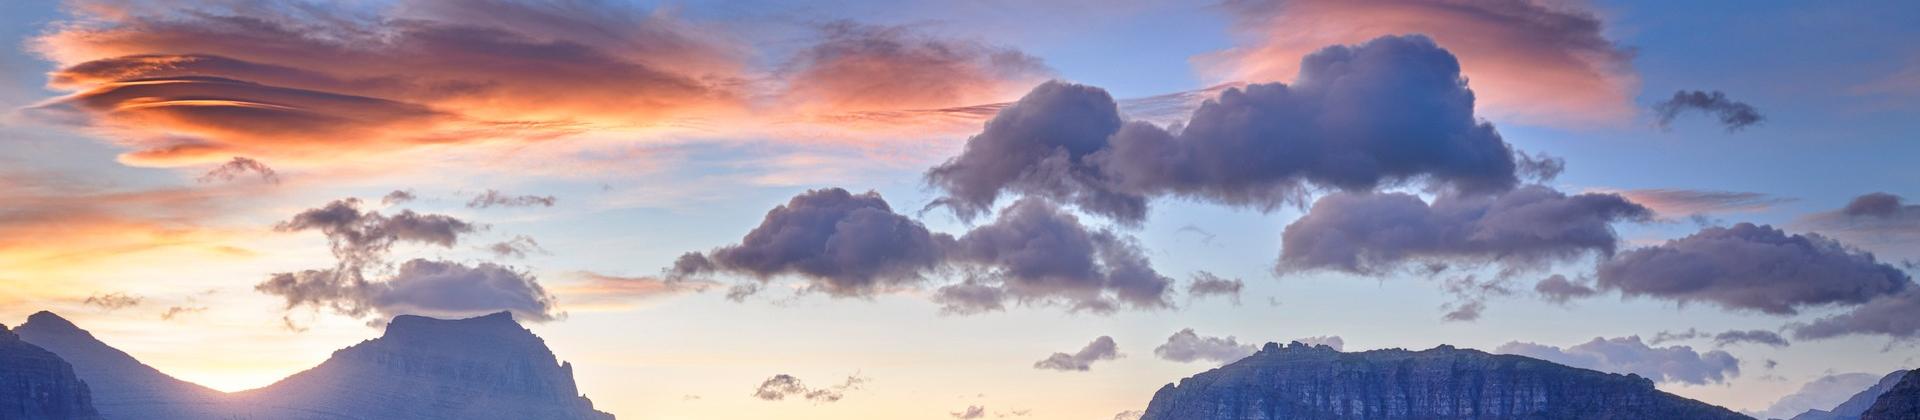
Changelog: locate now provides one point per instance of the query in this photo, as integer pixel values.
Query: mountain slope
(422, 368)
(1316, 382)
(35, 384)
(123, 388)
(1901, 402)
(1858, 403)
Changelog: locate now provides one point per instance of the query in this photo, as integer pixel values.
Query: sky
(1043, 209)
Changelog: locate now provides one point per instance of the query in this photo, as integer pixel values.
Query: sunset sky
(915, 204)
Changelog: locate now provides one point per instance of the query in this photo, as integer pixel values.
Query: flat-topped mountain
(423, 368)
(35, 384)
(1317, 382)
(123, 388)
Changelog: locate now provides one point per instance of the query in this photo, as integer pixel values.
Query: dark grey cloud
(1750, 336)
(359, 238)
(1752, 267)
(781, 386)
(845, 244)
(419, 287)
(1372, 233)
(1102, 348)
(492, 198)
(1557, 289)
(1390, 111)
(1735, 115)
(1629, 355)
(1207, 284)
(517, 247)
(1187, 346)
(240, 166)
(852, 245)
(1891, 316)
(1664, 337)
(113, 301)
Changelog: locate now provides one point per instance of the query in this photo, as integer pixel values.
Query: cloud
(1333, 341)
(1823, 393)
(493, 198)
(360, 239)
(398, 197)
(1628, 355)
(1530, 61)
(859, 67)
(1260, 146)
(275, 78)
(419, 287)
(1129, 415)
(854, 245)
(1371, 233)
(177, 311)
(1102, 348)
(844, 244)
(1187, 346)
(972, 412)
(518, 247)
(1877, 219)
(1891, 316)
(113, 301)
(1557, 289)
(1675, 203)
(1750, 336)
(781, 386)
(240, 166)
(1752, 267)
(1663, 337)
(1207, 284)
(1735, 115)
(595, 289)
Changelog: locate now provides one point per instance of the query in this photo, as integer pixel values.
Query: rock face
(1857, 405)
(423, 368)
(123, 388)
(1902, 402)
(1317, 382)
(35, 384)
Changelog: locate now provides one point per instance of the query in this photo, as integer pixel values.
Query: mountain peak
(496, 327)
(48, 322)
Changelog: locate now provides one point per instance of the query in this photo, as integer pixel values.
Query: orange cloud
(1528, 60)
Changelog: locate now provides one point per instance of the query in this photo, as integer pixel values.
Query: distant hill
(123, 388)
(35, 384)
(1317, 382)
(1857, 405)
(1901, 402)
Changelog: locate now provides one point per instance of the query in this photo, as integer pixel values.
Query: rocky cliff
(1857, 405)
(123, 388)
(35, 384)
(423, 368)
(1902, 402)
(1317, 382)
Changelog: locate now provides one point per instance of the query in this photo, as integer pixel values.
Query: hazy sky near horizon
(173, 178)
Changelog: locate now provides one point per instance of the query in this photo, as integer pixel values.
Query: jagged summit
(1300, 381)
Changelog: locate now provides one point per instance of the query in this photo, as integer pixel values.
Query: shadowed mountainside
(35, 384)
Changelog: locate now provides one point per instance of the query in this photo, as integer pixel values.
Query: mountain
(123, 388)
(423, 368)
(35, 384)
(1317, 382)
(1858, 404)
(1901, 402)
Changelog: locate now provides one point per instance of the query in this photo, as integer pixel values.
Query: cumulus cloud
(398, 197)
(854, 245)
(859, 67)
(1531, 61)
(1260, 146)
(517, 247)
(240, 166)
(1877, 219)
(1188, 346)
(781, 386)
(1735, 115)
(1372, 233)
(1102, 348)
(1750, 336)
(295, 80)
(113, 301)
(492, 198)
(361, 238)
(1752, 267)
(1890, 316)
(1680, 364)
(1557, 289)
(1207, 284)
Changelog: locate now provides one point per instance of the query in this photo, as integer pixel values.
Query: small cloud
(398, 197)
(1750, 336)
(1187, 346)
(493, 198)
(1206, 284)
(781, 386)
(177, 311)
(1102, 348)
(518, 247)
(1735, 115)
(240, 166)
(972, 412)
(113, 301)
